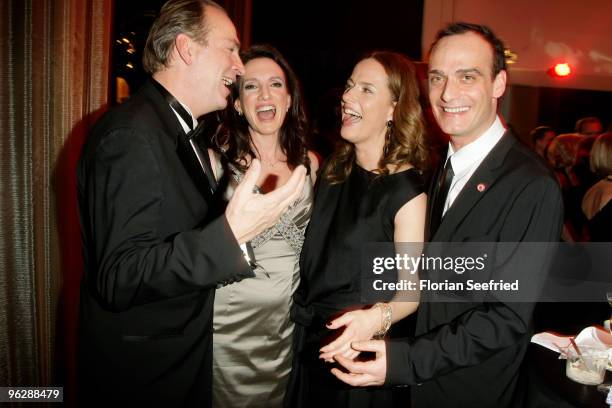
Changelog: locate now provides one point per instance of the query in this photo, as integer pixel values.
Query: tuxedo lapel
(165, 112)
(183, 149)
(476, 188)
(192, 166)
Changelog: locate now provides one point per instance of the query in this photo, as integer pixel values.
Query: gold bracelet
(385, 324)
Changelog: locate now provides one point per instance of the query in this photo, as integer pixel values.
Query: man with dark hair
(491, 188)
(540, 138)
(589, 126)
(497, 46)
(155, 245)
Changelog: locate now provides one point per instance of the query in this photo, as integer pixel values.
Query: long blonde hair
(405, 138)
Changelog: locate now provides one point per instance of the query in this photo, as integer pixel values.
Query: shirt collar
(186, 127)
(473, 152)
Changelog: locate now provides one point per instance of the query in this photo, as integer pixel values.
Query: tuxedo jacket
(155, 248)
(468, 354)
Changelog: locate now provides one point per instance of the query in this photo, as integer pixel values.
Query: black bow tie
(193, 138)
(190, 141)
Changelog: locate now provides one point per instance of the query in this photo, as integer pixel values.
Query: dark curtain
(241, 12)
(54, 81)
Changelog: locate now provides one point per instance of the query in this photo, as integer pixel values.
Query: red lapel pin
(481, 187)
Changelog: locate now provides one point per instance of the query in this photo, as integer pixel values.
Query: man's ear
(499, 84)
(182, 44)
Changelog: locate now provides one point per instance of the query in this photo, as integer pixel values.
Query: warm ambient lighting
(562, 69)
(510, 56)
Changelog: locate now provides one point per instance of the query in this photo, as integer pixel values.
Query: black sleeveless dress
(346, 216)
(600, 226)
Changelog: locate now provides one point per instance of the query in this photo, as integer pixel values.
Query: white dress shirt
(466, 160)
(185, 126)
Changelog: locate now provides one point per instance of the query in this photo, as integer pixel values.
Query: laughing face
(217, 63)
(264, 97)
(367, 105)
(462, 92)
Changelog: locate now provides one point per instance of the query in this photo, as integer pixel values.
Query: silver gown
(252, 339)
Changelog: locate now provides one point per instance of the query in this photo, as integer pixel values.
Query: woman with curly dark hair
(371, 190)
(252, 339)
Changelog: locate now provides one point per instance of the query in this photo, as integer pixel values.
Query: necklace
(270, 162)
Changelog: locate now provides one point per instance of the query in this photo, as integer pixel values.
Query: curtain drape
(241, 13)
(54, 83)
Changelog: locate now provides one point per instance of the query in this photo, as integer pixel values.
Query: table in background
(549, 386)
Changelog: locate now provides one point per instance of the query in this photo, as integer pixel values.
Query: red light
(562, 69)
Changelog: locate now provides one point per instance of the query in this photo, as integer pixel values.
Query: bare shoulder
(214, 162)
(315, 161)
(214, 157)
(416, 205)
(410, 220)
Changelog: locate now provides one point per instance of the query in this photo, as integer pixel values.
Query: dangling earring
(239, 112)
(388, 137)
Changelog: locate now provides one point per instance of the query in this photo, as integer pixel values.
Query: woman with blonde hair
(370, 190)
(597, 202)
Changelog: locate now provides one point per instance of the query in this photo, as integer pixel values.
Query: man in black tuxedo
(155, 245)
(489, 188)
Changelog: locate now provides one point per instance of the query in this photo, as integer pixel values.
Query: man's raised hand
(248, 214)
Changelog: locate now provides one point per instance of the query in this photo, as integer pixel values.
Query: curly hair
(233, 139)
(405, 138)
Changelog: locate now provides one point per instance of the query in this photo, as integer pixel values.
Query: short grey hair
(175, 17)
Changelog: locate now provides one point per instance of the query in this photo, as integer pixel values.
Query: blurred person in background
(561, 155)
(588, 127)
(541, 137)
(597, 202)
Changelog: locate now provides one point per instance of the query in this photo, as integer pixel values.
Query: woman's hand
(358, 325)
